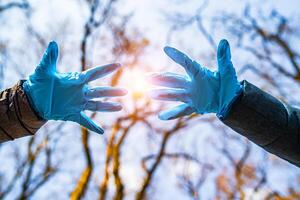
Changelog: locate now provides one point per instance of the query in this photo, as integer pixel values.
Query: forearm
(17, 118)
(267, 122)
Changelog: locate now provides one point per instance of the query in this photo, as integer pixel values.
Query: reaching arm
(267, 122)
(245, 108)
(51, 95)
(17, 118)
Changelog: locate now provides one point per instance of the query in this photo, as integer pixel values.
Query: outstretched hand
(202, 91)
(64, 96)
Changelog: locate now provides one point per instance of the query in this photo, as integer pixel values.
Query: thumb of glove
(225, 65)
(49, 59)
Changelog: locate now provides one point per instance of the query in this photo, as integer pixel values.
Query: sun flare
(136, 82)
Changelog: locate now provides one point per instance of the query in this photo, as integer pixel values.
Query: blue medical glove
(64, 96)
(202, 91)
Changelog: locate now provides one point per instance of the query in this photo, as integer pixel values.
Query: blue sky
(51, 17)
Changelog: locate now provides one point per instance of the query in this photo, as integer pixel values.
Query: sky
(150, 18)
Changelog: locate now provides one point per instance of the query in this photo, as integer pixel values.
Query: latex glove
(202, 91)
(64, 96)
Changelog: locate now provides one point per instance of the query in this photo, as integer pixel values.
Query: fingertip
(180, 58)
(119, 108)
(49, 58)
(118, 65)
(119, 92)
(223, 42)
(123, 92)
(53, 48)
(152, 94)
(116, 107)
(169, 50)
(166, 48)
(99, 131)
(86, 122)
(53, 44)
(151, 78)
(223, 49)
(164, 117)
(112, 66)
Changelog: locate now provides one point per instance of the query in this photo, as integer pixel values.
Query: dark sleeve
(266, 121)
(17, 118)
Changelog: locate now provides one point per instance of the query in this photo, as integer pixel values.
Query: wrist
(26, 88)
(226, 107)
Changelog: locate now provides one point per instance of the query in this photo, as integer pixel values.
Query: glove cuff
(223, 113)
(25, 86)
(17, 117)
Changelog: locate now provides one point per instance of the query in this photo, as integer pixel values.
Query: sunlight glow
(136, 82)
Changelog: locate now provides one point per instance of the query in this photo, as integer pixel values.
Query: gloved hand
(64, 96)
(203, 91)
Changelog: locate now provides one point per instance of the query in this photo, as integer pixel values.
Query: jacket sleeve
(17, 118)
(266, 121)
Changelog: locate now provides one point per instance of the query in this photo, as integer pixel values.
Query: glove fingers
(169, 80)
(178, 111)
(103, 106)
(225, 65)
(89, 124)
(100, 92)
(48, 62)
(98, 72)
(170, 95)
(182, 60)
